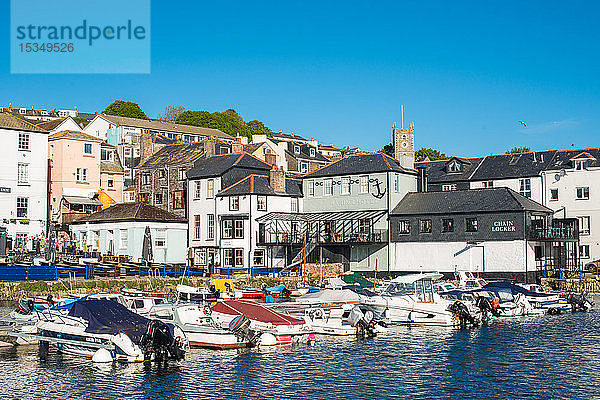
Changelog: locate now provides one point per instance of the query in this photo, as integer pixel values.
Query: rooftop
(360, 164)
(9, 121)
(218, 165)
(73, 135)
(466, 201)
(260, 185)
(131, 212)
(174, 154)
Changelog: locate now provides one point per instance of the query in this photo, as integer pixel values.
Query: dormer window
(296, 149)
(580, 165)
(454, 166)
(312, 152)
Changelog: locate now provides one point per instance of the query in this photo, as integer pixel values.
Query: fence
(27, 273)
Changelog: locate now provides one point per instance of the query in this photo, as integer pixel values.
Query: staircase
(298, 258)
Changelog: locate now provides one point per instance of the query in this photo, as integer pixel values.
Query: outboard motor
(578, 302)
(160, 342)
(461, 312)
(363, 322)
(285, 293)
(213, 290)
(240, 327)
(486, 306)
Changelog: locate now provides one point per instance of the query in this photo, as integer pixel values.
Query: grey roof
(505, 166)
(562, 158)
(219, 164)
(466, 201)
(305, 152)
(360, 164)
(131, 212)
(437, 173)
(159, 125)
(288, 136)
(260, 185)
(174, 154)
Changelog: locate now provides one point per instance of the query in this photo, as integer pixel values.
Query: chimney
(422, 179)
(277, 179)
(237, 146)
(146, 146)
(210, 146)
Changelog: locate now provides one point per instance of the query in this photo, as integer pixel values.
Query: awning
(81, 200)
(322, 216)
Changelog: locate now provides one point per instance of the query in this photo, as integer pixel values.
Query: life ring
(495, 303)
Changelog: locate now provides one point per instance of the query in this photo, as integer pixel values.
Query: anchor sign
(379, 193)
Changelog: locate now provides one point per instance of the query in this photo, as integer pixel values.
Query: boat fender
(102, 356)
(268, 339)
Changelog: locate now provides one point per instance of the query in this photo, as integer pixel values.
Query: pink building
(77, 169)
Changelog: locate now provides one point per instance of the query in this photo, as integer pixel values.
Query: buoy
(268, 339)
(102, 356)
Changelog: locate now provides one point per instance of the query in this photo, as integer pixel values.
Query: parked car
(592, 266)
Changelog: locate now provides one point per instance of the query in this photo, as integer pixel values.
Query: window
(403, 227)
(227, 229)
(583, 193)
(345, 185)
(201, 256)
(144, 197)
(145, 178)
(210, 189)
(181, 173)
(197, 225)
(553, 194)
(20, 240)
(210, 229)
(261, 203)
(23, 141)
(259, 258)
(178, 201)
(584, 225)
(234, 203)
(448, 188)
(81, 175)
(579, 165)
(239, 229)
(124, 238)
(364, 226)
(454, 166)
(303, 167)
(525, 187)
(228, 257)
(127, 153)
(396, 183)
(239, 257)
(328, 185)
(425, 226)
(105, 155)
(364, 184)
(158, 198)
(447, 225)
(471, 224)
(110, 182)
(87, 148)
(584, 251)
(312, 152)
(22, 205)
(294, 205)
(161, 173)
(23, 174)
(160, 238)
(311, 189)
(296, 149)
(198, 189)
(488, 184)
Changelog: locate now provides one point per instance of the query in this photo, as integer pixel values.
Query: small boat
(279, 291)
(107, 331)
(198, 326)
(283, 328)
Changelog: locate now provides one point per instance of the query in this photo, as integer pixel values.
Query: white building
(23, 180)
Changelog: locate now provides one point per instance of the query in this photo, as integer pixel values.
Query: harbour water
(549, 357)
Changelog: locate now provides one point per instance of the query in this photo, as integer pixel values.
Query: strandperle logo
(68, 36)
(85, 31)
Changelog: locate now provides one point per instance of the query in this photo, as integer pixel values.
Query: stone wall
(326, 270)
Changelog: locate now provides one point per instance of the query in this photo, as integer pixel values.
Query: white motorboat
(198, 326)
(107, 331)
(411, 299)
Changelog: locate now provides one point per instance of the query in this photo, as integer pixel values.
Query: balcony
(554, 233)
(378, 236)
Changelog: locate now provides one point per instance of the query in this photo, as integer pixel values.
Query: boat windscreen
(109, 317)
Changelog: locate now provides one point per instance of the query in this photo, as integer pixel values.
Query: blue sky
(338, 71)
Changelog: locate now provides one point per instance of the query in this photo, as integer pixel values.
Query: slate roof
(506, 166)
(131, 212)
(114, 165)
(49, 125)
(166, 126)
(260, 185)
(360, 164)
(562, 158)
(174, 154)
(466, 201)
(252, 147)
(305, 152)
(9, 121)
(88, 116)
(436, 170)
(287, 136)
(73, 135)
(218, 165)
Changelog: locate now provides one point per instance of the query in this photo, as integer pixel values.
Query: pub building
(495, 232)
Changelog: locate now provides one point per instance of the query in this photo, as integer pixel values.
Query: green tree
(516, 150)
(388, 149)
(432, 154)
(125, 109)
(228, 121)
(171, 113)
(258, 128)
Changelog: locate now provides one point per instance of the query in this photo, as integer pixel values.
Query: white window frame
(210, 227)
(81, 175)
(198, 190)
(23, 203)
(449, 188)
(201, 256)
(582, 193)
(239, 257)
(585, 225)
(197, 226)
(345, 186)
(234, 203)
(303, 167)
(328, 187)
(227, 229)
(294, 204)
(23, 174)
(210, 189)
(311, 189)
(160, 238)
(296, 149)
(584, 251)
(260, 255)
(364, 184)
(313, 152)
(110, 182)
(525, 187)
(261, 203)
(404, 227)
(123, 239)
(238, 229)
(23, 141)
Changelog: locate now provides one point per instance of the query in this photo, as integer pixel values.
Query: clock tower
(404, 145)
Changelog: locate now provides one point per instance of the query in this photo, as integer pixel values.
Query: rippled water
(550, 357)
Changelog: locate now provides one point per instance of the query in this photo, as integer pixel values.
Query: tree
(171, 113)
(516, 150)
(125, 109)
(387, 149)
(228, 121)
(258, 128)
(431, 154)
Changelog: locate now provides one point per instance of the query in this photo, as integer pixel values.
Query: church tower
(404, 145)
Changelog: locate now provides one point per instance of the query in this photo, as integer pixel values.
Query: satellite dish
(557, 177)
(563, 172)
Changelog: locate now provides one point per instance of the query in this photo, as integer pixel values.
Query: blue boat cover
(109, 317)
(276, 289)
(515, 289)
